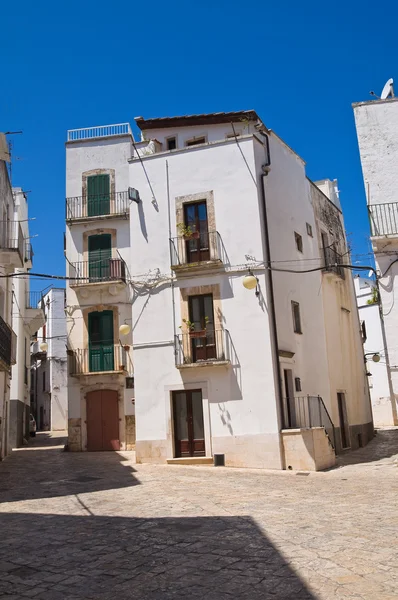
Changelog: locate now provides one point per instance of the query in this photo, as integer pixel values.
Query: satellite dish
(388, 90)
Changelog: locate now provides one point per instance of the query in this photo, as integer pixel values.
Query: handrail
(383, 218)
(303, 412)
(97, 205)
(87, 133)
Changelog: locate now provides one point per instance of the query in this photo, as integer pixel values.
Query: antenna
(388, 90)
(10, 151)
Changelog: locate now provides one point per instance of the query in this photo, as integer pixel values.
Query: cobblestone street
(98, 526)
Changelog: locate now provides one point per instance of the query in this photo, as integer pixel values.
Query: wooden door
(203, 345)
(189, 436)
(102, 421)
(290, 412)
(100, 341)
(98, 195)
(99, 257)
(195, 217)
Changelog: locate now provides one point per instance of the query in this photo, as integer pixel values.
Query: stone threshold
(191, 460)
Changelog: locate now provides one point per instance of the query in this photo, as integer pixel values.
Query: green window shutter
(100, 335)
(99, 255)
(98, 195)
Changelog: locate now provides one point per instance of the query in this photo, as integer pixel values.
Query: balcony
(28, 255)
(333, 260)
(100, 358)
(306, 412)
(200, 250)
(101, 131)
(102, 271)
(8, 346)
(100, 206)
(383, 219)
(11, 244)
(203, 348)
(35, 311)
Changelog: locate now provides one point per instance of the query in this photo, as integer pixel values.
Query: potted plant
(201, 333)
(187, 232)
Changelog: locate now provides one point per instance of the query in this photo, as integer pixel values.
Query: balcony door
(99, 255)
(98, 195)
(189, 432)
(195, 217)
(100, 341)
(203, 342)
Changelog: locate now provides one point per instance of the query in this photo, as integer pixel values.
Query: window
(297, 384)
(230, 136)
(363, 330)
(171, 143)
(98, 195)
(44, 381)
(309, 229)
(196, 141)
(296, 317)
(299, 241)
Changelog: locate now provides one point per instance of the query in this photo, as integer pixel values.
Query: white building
(377, 128)
(379, 376)
(98, 295)
(27, 317)
(49, 398)
(219, 368)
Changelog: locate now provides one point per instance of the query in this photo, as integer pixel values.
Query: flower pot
(198, 334)
(195, 235)
(126, 348)
(121, 368)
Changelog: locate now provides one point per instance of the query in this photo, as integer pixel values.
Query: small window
(299, 241)
(363, 330)
(296, 317)
(297, 384)
(196, 141)
(171, 143)
(309, 229)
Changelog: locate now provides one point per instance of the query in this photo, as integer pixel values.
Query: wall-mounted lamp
(250, 282)
(43, 347)
(124, 329)
(375, 356)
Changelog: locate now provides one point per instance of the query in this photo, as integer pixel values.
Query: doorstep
(191, 460)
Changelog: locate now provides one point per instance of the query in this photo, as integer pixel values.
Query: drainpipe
(271, 298)
(172, 274)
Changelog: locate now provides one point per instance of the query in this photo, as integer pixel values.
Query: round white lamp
(376, 358)
(124, 329)
(43, 347)
(249, 281)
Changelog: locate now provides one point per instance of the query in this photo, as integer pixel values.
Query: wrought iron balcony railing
(8, 345)
(304, 412)
(98, 271)
(383, 219)
(28, 252)
(34, 300)
(333, 262)
(100, 358)
(203, 347)
(98, 205)
(11, 237)
(199, 247)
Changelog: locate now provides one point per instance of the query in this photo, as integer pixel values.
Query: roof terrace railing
(88, 133)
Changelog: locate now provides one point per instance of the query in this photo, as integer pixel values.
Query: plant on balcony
(191, 328)
(187, 232)
(374, 299)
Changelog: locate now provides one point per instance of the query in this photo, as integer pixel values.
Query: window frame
(168, 139)
(298, 238)
(297, 384)
(297, 324)
(193, 141)
(310, 232)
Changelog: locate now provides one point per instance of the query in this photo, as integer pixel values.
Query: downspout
(172, 274)
(274, 331)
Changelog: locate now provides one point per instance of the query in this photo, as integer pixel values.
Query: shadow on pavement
(102, 558)
(383, 446)
(43, 470)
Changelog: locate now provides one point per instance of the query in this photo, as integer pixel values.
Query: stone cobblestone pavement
(98, 526)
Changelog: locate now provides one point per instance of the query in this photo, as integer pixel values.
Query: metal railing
(97, 271)
(98, 205)
(28, 252)
(11, 237)
(34, 300)
(99, 358)
(89, 133)
(383, 218)
(8, 344)
(201, 247)
(303, 412)
(207, 346)
(333, 260)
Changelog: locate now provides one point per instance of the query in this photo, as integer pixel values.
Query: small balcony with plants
(196, 248)
(202, 347)
(100, 358)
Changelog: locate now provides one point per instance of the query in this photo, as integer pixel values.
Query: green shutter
(100, 335)
(99, 255)
(98, 195)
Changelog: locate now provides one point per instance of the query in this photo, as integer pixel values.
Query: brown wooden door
(102, 421)
(195, 217)
(189, 435)
(203, 345)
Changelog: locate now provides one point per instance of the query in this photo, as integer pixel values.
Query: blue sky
(299, 64)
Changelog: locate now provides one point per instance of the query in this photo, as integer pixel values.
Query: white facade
(102, 289)
(377, 127)
(244, 404)
(49, 369)
(384, 405)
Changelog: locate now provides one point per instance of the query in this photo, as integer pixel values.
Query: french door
(100, 344)
(99, 255)
(189, 435)
(202, 336)
(98, 195)
(195, 217)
